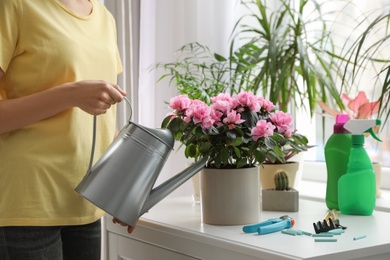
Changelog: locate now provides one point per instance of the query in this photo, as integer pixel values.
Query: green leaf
(236, 142)
(191, 151)
(237, 152)
(259, 155)
(241, 163)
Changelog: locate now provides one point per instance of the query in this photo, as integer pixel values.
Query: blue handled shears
(270, 225)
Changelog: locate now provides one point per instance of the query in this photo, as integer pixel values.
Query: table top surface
(183, 217)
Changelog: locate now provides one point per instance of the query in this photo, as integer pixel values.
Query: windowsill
(313, 185)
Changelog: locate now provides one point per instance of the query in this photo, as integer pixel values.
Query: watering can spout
(122, 181)
(170, 185)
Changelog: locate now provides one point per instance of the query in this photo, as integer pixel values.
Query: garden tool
(331, 221)
(270, 225)
(122, 181)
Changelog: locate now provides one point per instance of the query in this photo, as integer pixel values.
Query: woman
(58, 67)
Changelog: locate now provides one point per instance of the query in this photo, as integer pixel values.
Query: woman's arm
(92, 96)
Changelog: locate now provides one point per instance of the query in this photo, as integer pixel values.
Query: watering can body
(122, 180)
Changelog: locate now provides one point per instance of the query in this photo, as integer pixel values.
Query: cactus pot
(267, 173)
(280, 200)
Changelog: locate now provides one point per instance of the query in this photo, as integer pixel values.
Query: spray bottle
(337, 151)
(357, 189)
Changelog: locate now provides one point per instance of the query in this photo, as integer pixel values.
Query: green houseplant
(198, 72)
(237, 133)
(278, 57)
(289, 53)
(370, 52)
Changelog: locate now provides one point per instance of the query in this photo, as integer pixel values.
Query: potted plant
(283, 197)
(237, 133)
(279, 57)
(234, 131)
(369, 52)
(288, 54)
(198, 72)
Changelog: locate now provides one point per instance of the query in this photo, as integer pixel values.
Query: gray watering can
(122, 180)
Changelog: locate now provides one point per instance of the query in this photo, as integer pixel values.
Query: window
(360, 14)
(159, 28)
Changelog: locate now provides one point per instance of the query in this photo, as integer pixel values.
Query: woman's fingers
(129, 228)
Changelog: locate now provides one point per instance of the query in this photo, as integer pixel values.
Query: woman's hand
(95, 97)
(129, 228)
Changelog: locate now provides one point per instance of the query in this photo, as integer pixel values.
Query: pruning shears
(270, 225)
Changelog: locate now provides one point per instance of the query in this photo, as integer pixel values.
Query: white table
(173, 230)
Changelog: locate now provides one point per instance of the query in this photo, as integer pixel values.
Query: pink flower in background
(360, 106)
(283, 122)
(232, 119)
(357, 108)
(262, 129)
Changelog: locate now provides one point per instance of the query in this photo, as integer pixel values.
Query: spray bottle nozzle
(361, 126)
(341, 119)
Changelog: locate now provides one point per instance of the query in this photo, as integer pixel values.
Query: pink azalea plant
(357, 108)
(234, 131)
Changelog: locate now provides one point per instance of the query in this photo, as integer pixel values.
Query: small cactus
(281, 180)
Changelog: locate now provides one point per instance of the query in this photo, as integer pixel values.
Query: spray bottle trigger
(372, 133)
(378, 122)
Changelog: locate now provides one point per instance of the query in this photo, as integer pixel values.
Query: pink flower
(199, 112)
(222, 105)
(266, 104)
(180, 103)
(223, 97)
(207, 122)
(233, 119)
(216, 115)
(262, 129)
(283, 122)
(247, 99)
(228, 122)
(359, 107)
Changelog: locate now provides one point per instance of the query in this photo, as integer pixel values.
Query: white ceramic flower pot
(230, 196)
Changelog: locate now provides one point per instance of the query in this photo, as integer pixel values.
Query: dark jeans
(51, 243)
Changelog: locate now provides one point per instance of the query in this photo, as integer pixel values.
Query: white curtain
(165, 27)
(151, 31)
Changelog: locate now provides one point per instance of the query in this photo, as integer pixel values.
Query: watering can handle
(129, 107)
(94, 133)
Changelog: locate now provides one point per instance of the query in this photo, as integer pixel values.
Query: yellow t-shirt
(44, 44)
